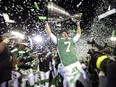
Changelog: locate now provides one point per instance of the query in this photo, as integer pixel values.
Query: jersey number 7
(68, 46)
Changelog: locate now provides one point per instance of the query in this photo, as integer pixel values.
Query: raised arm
(48, 29)
(77, 18)
(78, 33)
(52, 36)
(78, 28)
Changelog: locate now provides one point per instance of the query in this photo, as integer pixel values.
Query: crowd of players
(56, 67)
(23, 68)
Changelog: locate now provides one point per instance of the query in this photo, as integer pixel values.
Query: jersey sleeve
(53, 38)
(76, 38)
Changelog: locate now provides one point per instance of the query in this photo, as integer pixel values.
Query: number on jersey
(68, 46)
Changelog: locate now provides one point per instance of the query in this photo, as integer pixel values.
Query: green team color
(67, 51)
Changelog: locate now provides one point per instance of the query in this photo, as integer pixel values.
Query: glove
(6, 41)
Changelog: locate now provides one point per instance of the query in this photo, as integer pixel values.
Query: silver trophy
(59, 14)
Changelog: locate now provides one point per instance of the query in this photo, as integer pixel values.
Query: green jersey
(66, 50)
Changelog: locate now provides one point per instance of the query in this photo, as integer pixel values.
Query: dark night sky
(26, 15)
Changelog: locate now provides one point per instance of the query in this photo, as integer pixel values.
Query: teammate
(44, 66)
(70, 68)
(54, 71)
(18, 63)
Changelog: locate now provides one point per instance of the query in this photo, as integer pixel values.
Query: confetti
(29, 17)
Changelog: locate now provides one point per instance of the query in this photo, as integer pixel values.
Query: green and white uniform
(26, 77)
(66, 51)
(70, 68)
(66, 48)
